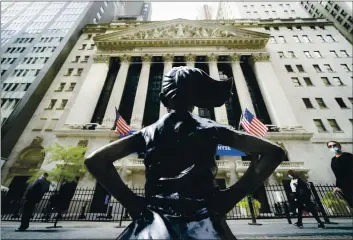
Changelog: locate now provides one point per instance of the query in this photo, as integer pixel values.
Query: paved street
(270, 229)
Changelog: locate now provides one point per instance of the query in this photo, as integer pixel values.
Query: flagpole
(241, 115)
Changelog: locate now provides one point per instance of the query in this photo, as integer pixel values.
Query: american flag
(120, 126)
(253, 125)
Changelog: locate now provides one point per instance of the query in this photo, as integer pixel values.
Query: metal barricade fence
(275, 204)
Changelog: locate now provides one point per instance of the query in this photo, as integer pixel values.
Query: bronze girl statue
(182, 199)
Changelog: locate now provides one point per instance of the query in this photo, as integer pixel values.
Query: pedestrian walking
(342, 167)
(33, 195)
(302, 195)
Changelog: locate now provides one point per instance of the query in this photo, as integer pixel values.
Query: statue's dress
(180, 178)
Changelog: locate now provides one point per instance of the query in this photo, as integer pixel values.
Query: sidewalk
(270, 229)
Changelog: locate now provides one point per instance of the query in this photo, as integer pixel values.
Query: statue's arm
(100, 165)
(271, 155)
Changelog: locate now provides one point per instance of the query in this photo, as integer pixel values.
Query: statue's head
(184, 88)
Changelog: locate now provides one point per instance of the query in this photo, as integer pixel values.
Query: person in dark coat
(302, 195)
(33, 196)
(342, 167)
(182, 199)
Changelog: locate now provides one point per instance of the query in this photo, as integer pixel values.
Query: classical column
(190, 62)
(275, 99)
(220, 112)
(141, 93)
(117, 92)
(241, 86)
(85, 103)
(168, 64)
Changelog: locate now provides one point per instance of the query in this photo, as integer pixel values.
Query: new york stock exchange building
(122, 65)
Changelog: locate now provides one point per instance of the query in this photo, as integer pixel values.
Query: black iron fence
(274, 202)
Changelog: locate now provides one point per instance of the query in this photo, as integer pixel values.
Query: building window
(63, 104)
(289, 68)
(334, 125)
(300, 68)
(330, 38)
(92, 47)
(77, 58)
(79, 72)
(319, 125)
(267, 28)
(71, 87)
(321, 38)
(351, 100)
(69, 72)
(338, 81)
(39, 124)
(333, 53)
(296, 82)
(328, 68)
(296, 38)
(52, 124)
(317, 68)
(317, 54)
(341, 103)
(321, 102)
(344, 53)
(273, 40)
(307, 54)
(307, 103)
(291, 54)
(61, 87)
(351, 120)
(306, 39)
(308, 81)
(281, 55)
(85, 60)
(345, 67)
(83, 47)
(51, 104)
(276, 28)
(290, 28)
(326, 81)
(281, 39)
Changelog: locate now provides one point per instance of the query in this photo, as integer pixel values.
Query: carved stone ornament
(190, 57)
(212, 57)
(235, 57)
(125, 58)
(146, 58)
(101, 59)
(179, 30)
(261, 57)
(168, 58)
(37, 141)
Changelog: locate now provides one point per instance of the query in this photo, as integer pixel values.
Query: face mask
(335, 150)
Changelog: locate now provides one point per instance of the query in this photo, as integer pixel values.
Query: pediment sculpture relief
(179, 31)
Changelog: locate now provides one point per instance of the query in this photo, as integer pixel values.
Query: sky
(171, 10)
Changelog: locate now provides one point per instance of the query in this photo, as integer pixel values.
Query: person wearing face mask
(302, 195)
(342, 167)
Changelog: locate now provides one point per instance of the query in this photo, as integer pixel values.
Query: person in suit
(302, 195)
(342, 167)
(33, 195)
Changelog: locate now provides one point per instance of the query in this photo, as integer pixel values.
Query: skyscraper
(36, 38)
(340, 13)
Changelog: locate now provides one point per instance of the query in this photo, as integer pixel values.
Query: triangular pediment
(180, 31)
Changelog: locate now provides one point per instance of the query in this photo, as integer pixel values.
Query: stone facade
(306, 146)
